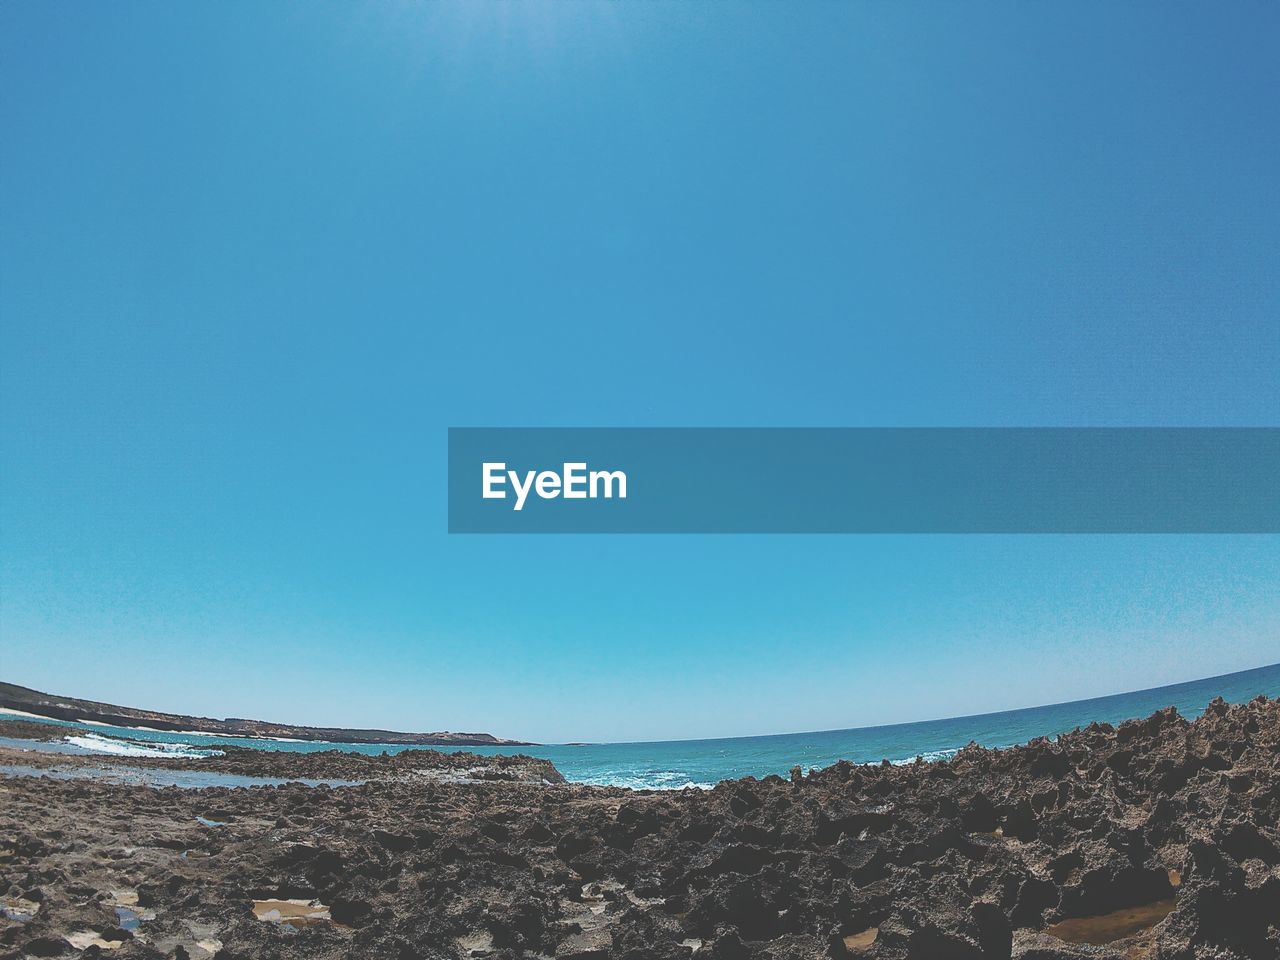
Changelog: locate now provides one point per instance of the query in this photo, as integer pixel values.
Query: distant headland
(26, 700)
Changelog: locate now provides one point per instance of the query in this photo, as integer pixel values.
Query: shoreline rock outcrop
(1157, 839)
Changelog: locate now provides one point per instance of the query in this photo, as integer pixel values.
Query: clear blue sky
(257, 257)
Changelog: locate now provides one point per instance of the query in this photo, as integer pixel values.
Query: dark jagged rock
(1155, 839)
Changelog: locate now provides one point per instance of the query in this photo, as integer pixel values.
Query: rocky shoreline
(1157, 839)
(406, 765)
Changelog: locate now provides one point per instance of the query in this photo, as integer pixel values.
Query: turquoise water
(679, 763)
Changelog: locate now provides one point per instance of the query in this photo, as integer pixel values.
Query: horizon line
(592, 743)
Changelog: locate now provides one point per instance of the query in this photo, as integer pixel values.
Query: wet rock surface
(407, 765)
(1161, 834)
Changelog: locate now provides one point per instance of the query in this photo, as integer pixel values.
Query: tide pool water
(703, 763)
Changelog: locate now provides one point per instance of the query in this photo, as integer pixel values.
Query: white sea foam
(929, 756)
(187, 733)
(125, 748)
(649, 780)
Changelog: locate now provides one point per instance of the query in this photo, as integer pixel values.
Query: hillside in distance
(14, 697)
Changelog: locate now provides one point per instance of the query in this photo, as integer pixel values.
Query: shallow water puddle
(291, 913)
(199, 941)
(206, 822)
(861, 940)
(129, 916)
(84, 939)
(1108, 927)
(18, 909)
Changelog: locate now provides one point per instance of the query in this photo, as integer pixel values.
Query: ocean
(702, 763)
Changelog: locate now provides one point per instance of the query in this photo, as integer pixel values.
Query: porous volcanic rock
(992, 854)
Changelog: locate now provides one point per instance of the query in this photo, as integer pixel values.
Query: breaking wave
(645, 780)
(928, 756)
(126, 748)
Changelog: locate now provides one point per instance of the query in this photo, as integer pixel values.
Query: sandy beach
(1154, 840)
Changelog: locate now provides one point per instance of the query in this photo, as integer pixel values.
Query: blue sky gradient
(258, 257)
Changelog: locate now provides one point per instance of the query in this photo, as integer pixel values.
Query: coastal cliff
(27, 700)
